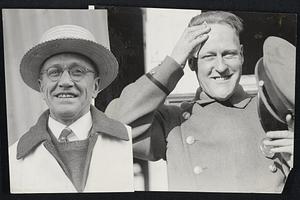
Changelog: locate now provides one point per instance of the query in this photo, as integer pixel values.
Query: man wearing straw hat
(216, 142)
(73, 147)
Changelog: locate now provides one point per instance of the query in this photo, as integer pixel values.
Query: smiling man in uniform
(215, 142)
(73, 147)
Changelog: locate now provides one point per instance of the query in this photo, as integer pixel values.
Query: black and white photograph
(57, 61)
(162, 100)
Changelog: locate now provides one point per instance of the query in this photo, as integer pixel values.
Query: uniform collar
(39, 132)
(239, 99)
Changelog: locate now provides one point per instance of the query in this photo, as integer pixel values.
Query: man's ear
(41, 88)
(193, 63)
(242, 53)
(97, 84)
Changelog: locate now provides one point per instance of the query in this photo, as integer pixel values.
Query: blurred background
(140, 38)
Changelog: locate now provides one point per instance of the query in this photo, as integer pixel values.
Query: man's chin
(66, 116)
(221, 96)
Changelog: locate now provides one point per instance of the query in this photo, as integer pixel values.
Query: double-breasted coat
(208, 145)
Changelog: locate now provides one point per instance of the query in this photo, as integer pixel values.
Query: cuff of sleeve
(166, 75)
(158, 84)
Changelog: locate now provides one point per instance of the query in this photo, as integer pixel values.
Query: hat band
(272, 98)
(268, 105)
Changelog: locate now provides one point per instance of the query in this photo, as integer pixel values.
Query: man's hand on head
(189, 40)
(283, 141)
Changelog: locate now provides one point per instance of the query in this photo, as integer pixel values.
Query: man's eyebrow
(74, 64)
(66, 66)
(55, 65)
(230, 51)
(49, 66)
(206, 53)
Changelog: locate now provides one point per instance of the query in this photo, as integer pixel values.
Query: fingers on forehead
(199, 27)
(198, 33)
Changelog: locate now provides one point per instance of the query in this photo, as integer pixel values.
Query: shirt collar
(39, 132)
(80, 127)
(239, 99)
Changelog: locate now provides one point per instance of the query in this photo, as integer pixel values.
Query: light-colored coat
(111, 166)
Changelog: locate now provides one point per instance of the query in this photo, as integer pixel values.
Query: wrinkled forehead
(66, 59)
(224, 31)
(221, 37)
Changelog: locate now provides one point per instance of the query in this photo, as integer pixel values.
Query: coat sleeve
(140, 106)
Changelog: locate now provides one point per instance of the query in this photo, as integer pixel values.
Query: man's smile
(221, 77)
(65, 95)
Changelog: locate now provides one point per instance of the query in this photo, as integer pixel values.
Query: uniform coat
(33, 169)
(208, 145)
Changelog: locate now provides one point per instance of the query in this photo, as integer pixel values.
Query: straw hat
(68, 39)
(275, 74)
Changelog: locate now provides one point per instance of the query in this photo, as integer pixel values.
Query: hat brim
(106, 63)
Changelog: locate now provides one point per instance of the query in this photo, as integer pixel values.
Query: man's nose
(220, 66)
(65, 80)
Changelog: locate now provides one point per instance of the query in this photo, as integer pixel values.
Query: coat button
(198, 170)
(186, 115)
(261, 83)
(190, 140)
(273, 168)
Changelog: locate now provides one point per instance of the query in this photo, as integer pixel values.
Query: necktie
(64, 135)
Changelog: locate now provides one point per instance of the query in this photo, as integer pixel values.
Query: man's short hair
(219, 17)
(215, 17)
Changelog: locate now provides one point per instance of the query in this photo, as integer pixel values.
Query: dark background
(131, 60)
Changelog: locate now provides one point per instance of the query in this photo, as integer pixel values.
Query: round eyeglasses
(76, 72)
